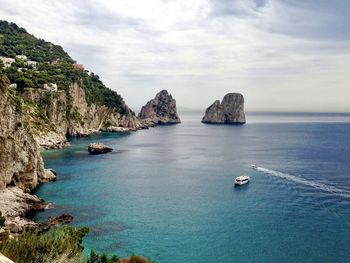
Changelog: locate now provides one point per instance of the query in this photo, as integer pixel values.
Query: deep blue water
(167, 192)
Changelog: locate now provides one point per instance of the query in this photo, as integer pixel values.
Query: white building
(32, 63)
(51, 87)
(13, 86)
(7, 61)
(23, 57)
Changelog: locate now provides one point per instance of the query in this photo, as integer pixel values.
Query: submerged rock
(229, 111)
(159, 111)
(60, 220)
(98, 148)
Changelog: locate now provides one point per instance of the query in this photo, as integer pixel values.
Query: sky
(282, 55)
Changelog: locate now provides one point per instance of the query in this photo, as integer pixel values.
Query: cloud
(279, 51)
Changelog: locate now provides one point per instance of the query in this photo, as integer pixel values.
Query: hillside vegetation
(47, 63)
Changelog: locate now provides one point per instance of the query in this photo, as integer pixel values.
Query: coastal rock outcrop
(229, 111)
(49, 175)
(98, 148)
(15, 205)
(159, 111)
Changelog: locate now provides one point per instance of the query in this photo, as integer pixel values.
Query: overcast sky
(289, 55)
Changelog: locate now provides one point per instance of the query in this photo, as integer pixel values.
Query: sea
(167, 193)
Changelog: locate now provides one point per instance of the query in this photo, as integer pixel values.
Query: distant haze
(282, 55)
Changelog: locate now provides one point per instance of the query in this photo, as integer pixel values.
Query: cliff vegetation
(38, 62)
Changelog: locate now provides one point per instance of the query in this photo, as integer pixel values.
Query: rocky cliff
(21, 165)
(229, 111)
(61, 98)
(160, 110)
(52, 116)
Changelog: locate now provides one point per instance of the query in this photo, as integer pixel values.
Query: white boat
(243, 179)
(254, 166)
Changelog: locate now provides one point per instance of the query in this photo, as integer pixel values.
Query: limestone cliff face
(229, 111)
(160, 110)
(52, 116)
(21, 164)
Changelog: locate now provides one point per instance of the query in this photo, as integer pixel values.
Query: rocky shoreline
(16, 206)
(23, 168)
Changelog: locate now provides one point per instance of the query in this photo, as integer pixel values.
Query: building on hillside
(32, 63)
(51, 87)
(13, 86)
(23, 57)
(7, 61)
(78, 66)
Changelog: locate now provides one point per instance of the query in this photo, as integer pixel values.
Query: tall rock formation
(160, 110)
(21, 165)
(229, 111)
(20, 160)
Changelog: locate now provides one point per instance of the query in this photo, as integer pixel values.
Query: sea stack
(160, 111)
(229, 111)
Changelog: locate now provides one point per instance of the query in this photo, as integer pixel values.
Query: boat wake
(320, 186)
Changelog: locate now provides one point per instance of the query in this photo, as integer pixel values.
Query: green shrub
(104, 258)
(56, 245)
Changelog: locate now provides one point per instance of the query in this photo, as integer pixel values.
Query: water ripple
(320, 186)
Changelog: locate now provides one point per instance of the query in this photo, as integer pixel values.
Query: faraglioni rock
(229, 111)
(159, 111)
(98, 148)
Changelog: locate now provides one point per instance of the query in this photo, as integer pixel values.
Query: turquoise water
(167, 192)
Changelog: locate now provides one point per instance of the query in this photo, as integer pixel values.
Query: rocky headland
(229, 111)
(159, 111)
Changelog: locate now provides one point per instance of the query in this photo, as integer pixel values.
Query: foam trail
(327, 188)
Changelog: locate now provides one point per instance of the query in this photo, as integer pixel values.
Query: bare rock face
(229, 111)
(98, 148)
(71, 115)
(21, 164)
(159, 111)
(15, 205)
